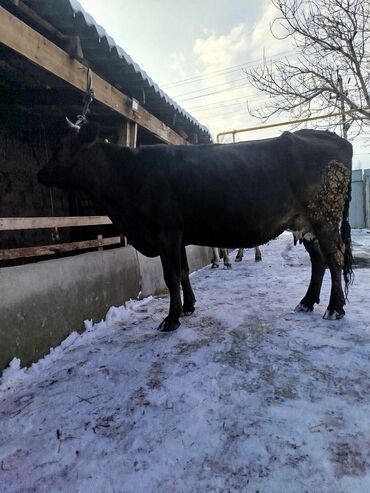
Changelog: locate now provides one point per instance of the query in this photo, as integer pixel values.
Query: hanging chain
(88, 98)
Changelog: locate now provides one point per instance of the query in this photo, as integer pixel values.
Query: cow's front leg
(170, 253)
(189, 298)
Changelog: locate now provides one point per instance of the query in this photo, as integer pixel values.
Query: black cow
(166, 197)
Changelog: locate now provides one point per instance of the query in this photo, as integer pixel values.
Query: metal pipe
(280, 124)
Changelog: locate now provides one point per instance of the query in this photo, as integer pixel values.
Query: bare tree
(332, 69)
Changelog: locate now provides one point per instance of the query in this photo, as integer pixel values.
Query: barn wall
(21, 194)
(42, 303)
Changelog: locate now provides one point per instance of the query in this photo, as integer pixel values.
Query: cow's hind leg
(215, 262)
(187, 291)
(317, 274)
(225, 255)
(333, 249)
(257, 254)
(170, 253)
(239, 255)
(327, 213)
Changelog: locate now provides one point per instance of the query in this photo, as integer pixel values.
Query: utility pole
(345, 126)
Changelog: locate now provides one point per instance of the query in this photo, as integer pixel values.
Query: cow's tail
(346, 238)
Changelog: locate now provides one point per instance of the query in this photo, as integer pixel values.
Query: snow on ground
(246, 396)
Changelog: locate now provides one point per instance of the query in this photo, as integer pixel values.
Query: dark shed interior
(33, 105)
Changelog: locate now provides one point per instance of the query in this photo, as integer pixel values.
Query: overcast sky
(208, 42)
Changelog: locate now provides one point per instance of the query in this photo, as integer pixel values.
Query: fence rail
(17, 223)
(26, 223)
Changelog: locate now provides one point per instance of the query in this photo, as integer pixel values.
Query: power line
(218, 102)
(215, 92)
(232, 68)
(209, 87)
(221, 104)
(178, 96)
(239, 99)
(207, 75)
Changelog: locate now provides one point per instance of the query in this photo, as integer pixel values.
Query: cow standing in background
(218, 253)
(166, 197)
(257, 254)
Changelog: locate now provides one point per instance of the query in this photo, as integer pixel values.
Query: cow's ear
(88, 133)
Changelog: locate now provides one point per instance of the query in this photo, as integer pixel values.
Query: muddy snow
(246, 396)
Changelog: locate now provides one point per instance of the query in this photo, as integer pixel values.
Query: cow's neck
(105, 175)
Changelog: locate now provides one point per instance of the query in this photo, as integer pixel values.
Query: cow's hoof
(238, 259)
(258, 259)
(331, 314)
(228, 266)
(302, 308)
(214, 266)
(168, 325)
(188, 310)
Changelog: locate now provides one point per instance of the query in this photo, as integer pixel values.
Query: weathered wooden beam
(39, 251)
(17, 223)
(27, 42)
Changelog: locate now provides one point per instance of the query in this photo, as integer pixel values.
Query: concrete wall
(366, 182)
(41, 303)
(359, 212)
(356, 209)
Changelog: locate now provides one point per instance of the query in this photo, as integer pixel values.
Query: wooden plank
(24, 40)
(39, 251)
(17, 223)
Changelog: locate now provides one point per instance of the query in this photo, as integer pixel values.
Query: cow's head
(62, 170)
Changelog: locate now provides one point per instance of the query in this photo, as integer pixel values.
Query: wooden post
(127, 134)
(100, 237)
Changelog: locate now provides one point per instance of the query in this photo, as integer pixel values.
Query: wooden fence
(53, 223)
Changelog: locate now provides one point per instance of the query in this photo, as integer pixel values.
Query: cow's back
(237, 194)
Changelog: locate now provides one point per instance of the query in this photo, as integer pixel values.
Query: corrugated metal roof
(111, 61)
